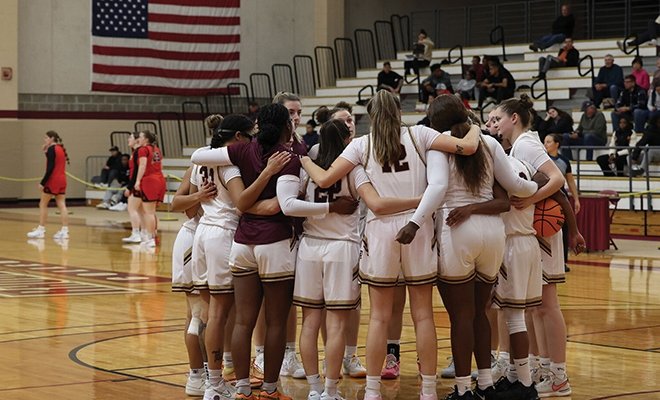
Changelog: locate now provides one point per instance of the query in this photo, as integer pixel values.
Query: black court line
(614, 396)
(609, 346)
(623, 302)
(87, 333)
(91, 326)
(615, 330)
(68, 384)
(151, 366)
(73, 356)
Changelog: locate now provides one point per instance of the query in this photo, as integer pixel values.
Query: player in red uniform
(134, 200)
(52, 185)
(150, 183)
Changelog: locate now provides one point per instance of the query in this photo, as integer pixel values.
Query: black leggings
(650, 33)
(415, 65)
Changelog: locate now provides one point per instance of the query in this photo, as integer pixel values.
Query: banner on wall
(174, 47)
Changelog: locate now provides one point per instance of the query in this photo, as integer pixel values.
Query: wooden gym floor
(92, 319)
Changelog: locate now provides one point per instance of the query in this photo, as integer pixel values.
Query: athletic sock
(227, 361)
(559, 369)
(463, 384)
(349, 351)
(545, 363)
(429, 384)
(269, 387)
(523, 371)
(373, 385)
(259, 349)
(196, 372)
(512, 373)
(504, 356)
(291, 346)
(315, 383)
(534, 361)
(394, 347)
(243, 387)
(215, 377)
(484, 378)
(331, 386)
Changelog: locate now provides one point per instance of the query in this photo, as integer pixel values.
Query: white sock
(484, 378)
(269, 387)
(331, 386)
(545, 363)
(429, 384)
(512, 374)
(243, 386)
(464, 383)
(41, 227)
(227, 361)
(559, 369)
(350, 351)
(373, 385)
(215, 377)
(65, 229)
(196, 372)
(315, 384)
(534, 361)
(135, 232)
(504, 356)
(291, 346)
(523, 371)
(259, 349)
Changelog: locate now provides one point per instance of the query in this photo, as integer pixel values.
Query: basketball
(548, 218)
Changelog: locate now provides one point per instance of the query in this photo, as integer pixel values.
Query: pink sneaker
(391, 369)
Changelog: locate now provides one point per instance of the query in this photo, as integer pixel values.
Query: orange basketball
(548, 218)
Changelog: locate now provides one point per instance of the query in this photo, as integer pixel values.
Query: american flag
(176, 47)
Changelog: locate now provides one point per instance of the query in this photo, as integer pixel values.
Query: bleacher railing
(630, 50)
(544, 93)
(401, 28)
(591, 67)
(385, 40)
(140, 126)
(93, 166)
(497, 37)
(194, 131)
(326, 71)
(345, 58)
(303, 68)
(170, 138)
(458, 59)
(283, 78)
(238, 97)
(120, 139)
(261, 88)
(365, 47)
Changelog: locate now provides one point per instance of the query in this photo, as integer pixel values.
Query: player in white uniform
(470, 251)
(182, 281)
(513, 119)
(394, 158)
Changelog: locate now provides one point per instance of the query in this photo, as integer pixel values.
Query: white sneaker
(257, 369)
(195, 386)
(103, 206)
(37, 233)
(450, 371)
(326, 396)
(291, 366)
(61, 234)
(150, 244)
(554, 386)
(499, 369)
(119, 207)
(134, 238)
(313, 395)
(224, 391)
(539, 374)
(353, 367)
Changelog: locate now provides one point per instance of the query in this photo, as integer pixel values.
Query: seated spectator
(651, 138)
(499, 84)
(111, 169)
(654, 99)
(568, 56)
(311, 136)
(609, 82)
(631, 104)
(556, 121)
(640, 74)
(651, 33)
(422, 54)
(428, 85)
(656, 74)
(562, 27)
(477, 69)
(613, 164)
(536, 120)
(465, 87)
(591, 131)
(253, 110)
(113, 197)
(389, 80)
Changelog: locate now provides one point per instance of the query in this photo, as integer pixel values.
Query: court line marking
(151, 366)
(615, 330)
(88, 333)
(625, 394)
(67, 384)
(92, 325)
(609, 346)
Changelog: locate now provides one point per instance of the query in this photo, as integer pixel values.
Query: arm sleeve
(50, 164)
(438, 180)
(506, 176)
(287, 196)
(208, 156)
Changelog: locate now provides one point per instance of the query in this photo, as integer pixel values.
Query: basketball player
(150, 183)
(470, 252)
(53, 185)
(134, 199)
(397, 169)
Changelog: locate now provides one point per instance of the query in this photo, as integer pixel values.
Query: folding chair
(613, 197)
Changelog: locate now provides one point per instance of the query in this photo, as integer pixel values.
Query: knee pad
(515, 320)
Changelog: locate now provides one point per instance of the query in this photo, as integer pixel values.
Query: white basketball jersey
(332, 225)
(219, 211)
(520, 222)
(458, 194)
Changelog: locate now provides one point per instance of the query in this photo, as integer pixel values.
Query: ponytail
(58, 140)
(522, 107)
(272, 120)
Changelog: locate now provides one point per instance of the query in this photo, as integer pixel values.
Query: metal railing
(401, 28)
(385, 40)
(365, 47)
(544, 93)
(171, 138)
(261, 89)
(283, 78)
(498, 39)
(361, 101)
(216, 103)
(93, 166)
(459, 59)
(345, 58)
(238, 97)
(303, 68)
(591, 67)
(326, 70)
(634, 49)
(194, 131)
(120, 139)
(140, 126)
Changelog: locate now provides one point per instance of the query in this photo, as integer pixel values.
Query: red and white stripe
(192, 49)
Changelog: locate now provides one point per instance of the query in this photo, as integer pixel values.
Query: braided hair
(58, 140)
(273, 119)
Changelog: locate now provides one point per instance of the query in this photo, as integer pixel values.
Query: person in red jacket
(150, 182)
(52, 185)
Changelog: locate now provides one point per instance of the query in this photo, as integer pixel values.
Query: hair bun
(526, 101)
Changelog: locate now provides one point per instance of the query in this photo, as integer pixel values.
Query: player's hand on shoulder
(344, 205)
(276, 162)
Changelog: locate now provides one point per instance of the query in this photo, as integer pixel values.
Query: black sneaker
(454, 395)
(487, 394)
(518, 391)
(503, 384)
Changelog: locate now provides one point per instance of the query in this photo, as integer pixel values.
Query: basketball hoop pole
(168, 214)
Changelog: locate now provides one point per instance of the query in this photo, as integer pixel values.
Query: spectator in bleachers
(253, 110)
(429, 85)
(389, 80)
(311, 136)
(536, 120)
(609, 82)
(591, 131)
(651, 33)
(614, 163)
(562, 27)
(422, 54)
(499, 84)
(651, 138)
(556, 121)
(568, 56)
(112, 167)
(112, 198)
(631, 104)
(656, 74)
(654, 99)
(640, 74)
(465, 87)
(477, 68)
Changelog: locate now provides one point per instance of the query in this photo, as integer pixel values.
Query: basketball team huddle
(413, 208)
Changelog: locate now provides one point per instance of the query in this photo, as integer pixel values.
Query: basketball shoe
(353, 367)
(392, 368)
(195, 385)
(221, 392)
(63, 233)
(37, 233)
(450, 371)
(518, 391)
(291, 366)
(325, 396)
(257, 368)
(554, 386)
(455, 396)
(134, 238)
(276, 395)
